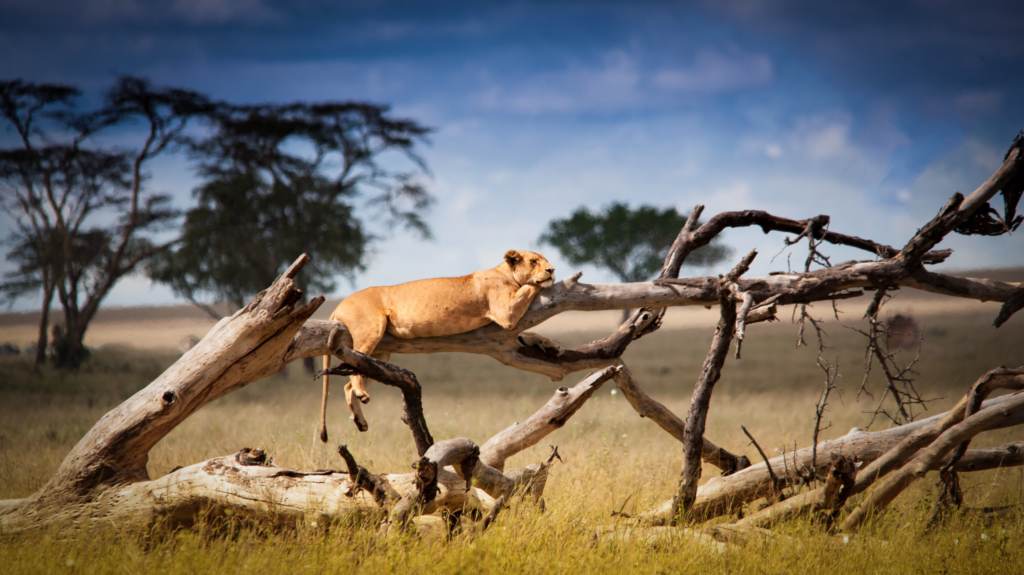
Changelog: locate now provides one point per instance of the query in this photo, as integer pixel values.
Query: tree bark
(830, 497)
(999, 378)
(494, 341)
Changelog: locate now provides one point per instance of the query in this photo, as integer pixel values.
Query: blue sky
(871, 112)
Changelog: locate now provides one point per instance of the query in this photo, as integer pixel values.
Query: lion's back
(425, 308)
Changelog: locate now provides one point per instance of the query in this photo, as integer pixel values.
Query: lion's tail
(323, 402)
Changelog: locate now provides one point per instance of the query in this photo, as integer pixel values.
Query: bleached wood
(104, 481)
(724, 495)
(931, 456)
(910, 445)
(553, 415)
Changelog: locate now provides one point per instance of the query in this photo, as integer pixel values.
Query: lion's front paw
(542, 281)
(542, 343)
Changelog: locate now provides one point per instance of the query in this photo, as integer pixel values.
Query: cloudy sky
(871, 112)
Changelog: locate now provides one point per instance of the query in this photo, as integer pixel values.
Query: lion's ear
(513, 257)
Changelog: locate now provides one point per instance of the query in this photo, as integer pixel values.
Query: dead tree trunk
(696, 417)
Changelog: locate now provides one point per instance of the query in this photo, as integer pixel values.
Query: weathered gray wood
(283, 495)
(711, 371)
(825, 498)
(1009, 455)
(500, 344)
(103, 480)
(932, 456)
(724, 495)
(901, 453)
(553, 415)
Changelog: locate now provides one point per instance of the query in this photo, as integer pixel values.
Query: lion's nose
(550, 270)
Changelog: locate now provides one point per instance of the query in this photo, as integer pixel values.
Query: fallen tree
(104, 478)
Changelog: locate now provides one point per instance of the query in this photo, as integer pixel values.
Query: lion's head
(530, 267)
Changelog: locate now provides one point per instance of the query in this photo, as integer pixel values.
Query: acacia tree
(286, 179)
(80, 207)
(632, 244)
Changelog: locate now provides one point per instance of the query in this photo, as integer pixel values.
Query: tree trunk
(44, 324)
(75, 346)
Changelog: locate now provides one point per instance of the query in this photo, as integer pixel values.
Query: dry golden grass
(613, 459)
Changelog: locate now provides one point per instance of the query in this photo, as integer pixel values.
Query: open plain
(614, 461)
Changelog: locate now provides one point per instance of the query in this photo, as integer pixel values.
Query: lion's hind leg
(366, 335)
(351, 396)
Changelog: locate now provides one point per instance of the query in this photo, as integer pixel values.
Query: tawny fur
(438, 307)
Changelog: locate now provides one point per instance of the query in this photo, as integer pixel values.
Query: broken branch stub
(831, 497)
(553, 415)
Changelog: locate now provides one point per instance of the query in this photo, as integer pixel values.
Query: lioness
(438, 307)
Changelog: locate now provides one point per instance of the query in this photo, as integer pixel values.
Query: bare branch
(819, 408)
(696, 416)
(661, 415)
(723, 495)
(548, 418)
(776, 484)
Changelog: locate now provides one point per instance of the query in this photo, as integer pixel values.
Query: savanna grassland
(613, 459)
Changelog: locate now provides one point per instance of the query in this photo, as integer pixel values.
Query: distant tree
(280, 180)
(632, 244)
(82, 214)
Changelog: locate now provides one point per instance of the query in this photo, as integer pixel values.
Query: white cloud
(622, 81)
(613, 84)
(733, 196)
(828, 142)
(713, 72)
(823, 137)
